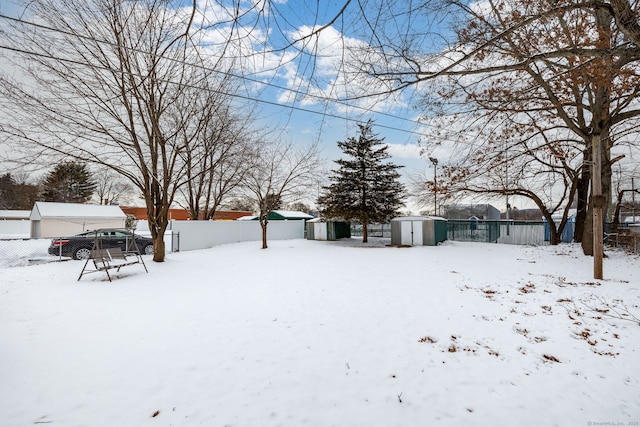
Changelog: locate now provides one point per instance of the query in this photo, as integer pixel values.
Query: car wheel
(148, 250)
(82, 253)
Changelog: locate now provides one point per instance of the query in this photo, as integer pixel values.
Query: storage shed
(418, 230)
(320, 229)
(52, 219)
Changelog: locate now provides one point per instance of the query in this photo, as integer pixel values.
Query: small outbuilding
(320, 229)
(53, 219)
(418, 231)
(279, 216)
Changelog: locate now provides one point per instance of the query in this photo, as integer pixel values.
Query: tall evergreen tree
(68, 182)
(365, 188)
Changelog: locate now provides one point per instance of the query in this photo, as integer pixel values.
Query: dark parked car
(79, 246)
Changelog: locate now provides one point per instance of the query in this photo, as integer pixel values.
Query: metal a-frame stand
(105, 259)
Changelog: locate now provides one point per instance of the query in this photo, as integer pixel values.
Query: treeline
(69, 182)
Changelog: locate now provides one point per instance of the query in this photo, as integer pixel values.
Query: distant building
(280, 216)
(481, 211)
(523, 214)
(182, 214)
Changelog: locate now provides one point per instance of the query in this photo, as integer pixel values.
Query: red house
(182, 214)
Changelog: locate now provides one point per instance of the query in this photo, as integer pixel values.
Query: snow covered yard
(325, 334)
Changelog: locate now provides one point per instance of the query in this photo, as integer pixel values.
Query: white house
(50, 219)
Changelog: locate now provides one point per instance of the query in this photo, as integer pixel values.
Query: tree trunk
(263, 226)
(158, 248)
(616, 212)
(555, 232)
(365, 233)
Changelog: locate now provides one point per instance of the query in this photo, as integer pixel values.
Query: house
(482, 211)
(280, 216)
(52, 219)
(183, 215)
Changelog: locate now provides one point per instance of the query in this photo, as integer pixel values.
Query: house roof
(247, 218)
(293, 214)
(14, 214)
(279, 215)
(74, 210)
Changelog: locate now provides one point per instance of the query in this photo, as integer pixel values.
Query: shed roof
(292, 214)
(74, 210)
(410, 218)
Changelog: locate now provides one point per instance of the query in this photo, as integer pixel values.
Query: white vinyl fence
(15, 228)
(205, 234)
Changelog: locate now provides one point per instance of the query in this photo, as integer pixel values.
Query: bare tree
(216, 163)
(569, 64)
(111, 188)
(283, 173)
(111, 82)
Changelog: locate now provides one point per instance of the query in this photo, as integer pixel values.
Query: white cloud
(404, 151)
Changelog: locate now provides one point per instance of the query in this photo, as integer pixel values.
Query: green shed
(320, 229)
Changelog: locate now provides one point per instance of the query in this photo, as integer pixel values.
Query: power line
(208, 69)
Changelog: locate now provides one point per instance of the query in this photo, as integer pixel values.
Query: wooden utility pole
(598, 206)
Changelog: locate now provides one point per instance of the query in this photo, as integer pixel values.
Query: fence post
(59, 250)
(175, 241)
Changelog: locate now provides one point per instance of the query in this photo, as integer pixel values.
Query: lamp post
(435, 185)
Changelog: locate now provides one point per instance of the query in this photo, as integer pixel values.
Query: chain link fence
(373, 230)
(23, 252)
(625, 239)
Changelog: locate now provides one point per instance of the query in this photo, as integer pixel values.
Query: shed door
(411, 233)
(416, 227)
(320, 231)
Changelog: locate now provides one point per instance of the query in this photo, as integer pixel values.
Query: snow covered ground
(325, 334)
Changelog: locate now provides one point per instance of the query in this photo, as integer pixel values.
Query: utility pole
(597, 201)
(435, 185)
